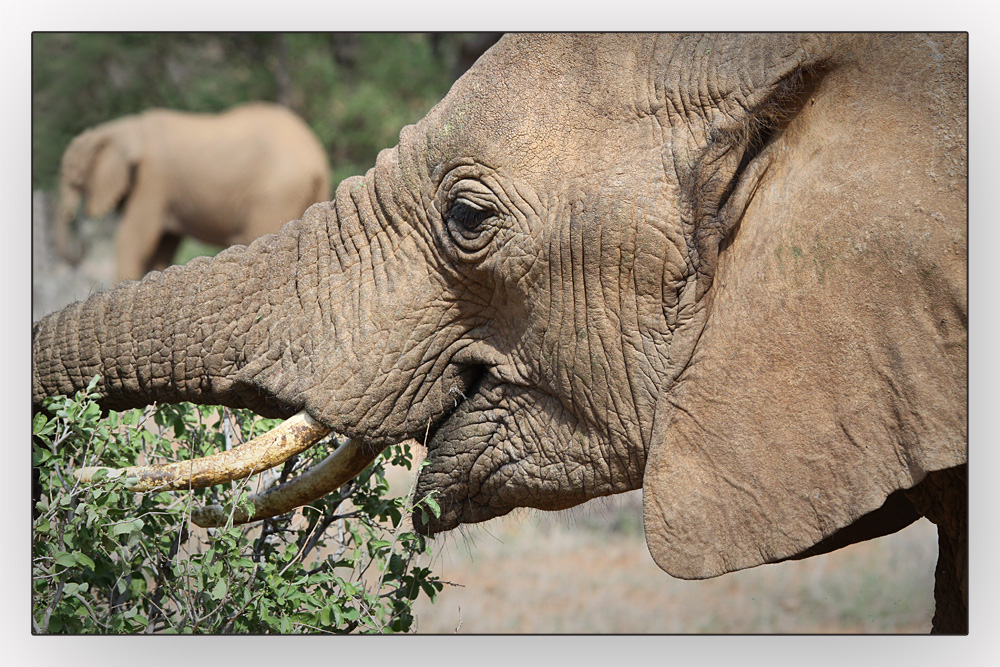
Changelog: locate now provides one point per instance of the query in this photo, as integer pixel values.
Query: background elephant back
(233, 177)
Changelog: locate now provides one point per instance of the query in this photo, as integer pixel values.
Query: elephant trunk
(302, 319)
(131, 337)
(191, 332)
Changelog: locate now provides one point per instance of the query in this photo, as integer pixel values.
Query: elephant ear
(109, 178)
(831, 371)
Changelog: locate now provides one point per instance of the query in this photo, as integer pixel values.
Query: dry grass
(587, 571)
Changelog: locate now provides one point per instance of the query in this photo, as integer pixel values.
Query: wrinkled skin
(728, 270)
(225, 178)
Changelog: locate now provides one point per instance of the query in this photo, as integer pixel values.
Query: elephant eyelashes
(467, 218)
(465, 222)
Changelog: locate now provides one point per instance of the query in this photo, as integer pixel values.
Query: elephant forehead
(537, 100)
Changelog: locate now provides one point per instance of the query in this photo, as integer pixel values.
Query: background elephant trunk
(67, 245)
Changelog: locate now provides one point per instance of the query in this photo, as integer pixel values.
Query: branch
(52, 605)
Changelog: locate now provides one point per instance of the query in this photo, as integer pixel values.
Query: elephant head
(96, 168)
(728, 270)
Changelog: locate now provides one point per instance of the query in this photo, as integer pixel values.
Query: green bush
(107, 560)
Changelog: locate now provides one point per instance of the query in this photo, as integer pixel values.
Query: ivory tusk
(331, 473)
(294, 435)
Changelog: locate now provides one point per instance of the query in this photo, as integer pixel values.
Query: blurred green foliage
(355, 90)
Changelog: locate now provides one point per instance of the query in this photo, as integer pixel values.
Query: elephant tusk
(331, 473)
(294, 435)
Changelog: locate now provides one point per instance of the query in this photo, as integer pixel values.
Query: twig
(167, 573)
(52, 606)
(230, 622)
(407, 506)
(318, 533)
(90, 610)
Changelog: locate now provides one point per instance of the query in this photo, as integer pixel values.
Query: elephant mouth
(469, 379)
(462, 442)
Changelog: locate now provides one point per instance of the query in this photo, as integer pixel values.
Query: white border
(182, 15)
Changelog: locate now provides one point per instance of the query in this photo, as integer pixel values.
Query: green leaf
(430, 588)
(92, 411)
(433, 505)
(39, 456)
(122, 528)
(39, 422)
(134, 538)
(84, 560)
(220, 590)
(65, 559)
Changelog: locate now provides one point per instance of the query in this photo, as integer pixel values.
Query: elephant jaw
(469, 458)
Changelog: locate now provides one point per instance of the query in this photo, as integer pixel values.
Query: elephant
(726, 269)
(224, 179)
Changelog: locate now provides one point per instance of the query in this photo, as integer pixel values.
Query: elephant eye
(468, 224)
(467, 217)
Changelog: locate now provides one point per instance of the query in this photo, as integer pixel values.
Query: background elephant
(223, 178)
(728, 270)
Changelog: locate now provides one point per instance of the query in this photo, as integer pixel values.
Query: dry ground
(587, 570)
